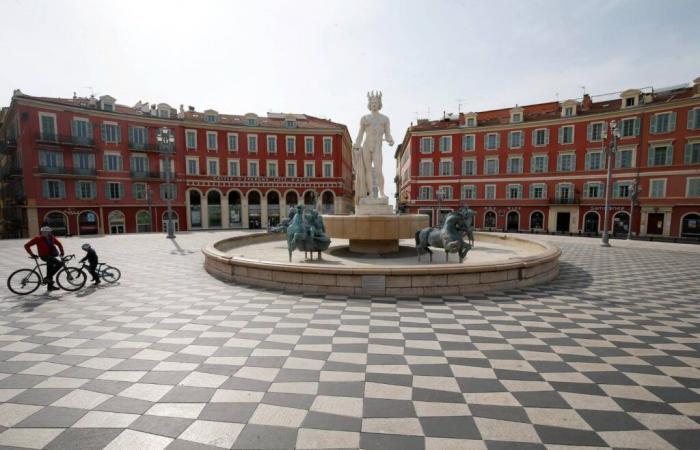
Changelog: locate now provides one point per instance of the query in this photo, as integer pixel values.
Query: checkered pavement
(607, 356)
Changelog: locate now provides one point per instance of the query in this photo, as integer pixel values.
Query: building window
(515, 165)
(308, 145)
(621, 189)
(490, 192)
(663, 123)
(425, 169)
(490, 219)
(212, 167)
(568, 111)
(112, 162)
(139, 164)
(272, 145)
(291, 144)
(661, 155)
(491, 166)
(211, 118)
(515, 139)
(291, 169)
(593, 190)
(272, 169)
(539, 164)
(564, 192)
(192, 166)
(468, 142)
(191, 139)
(114, 190)
(233, 168)
(595, 131)
(168, 191)
(468, 167)
(232, 142)
(84, 163)
(446, 167)
(327, 169)
(426, 145)
(471, 122)
(692, 152)
(492, 141)
(211, 141)
(566, 162)
(253, 169)
(594, 160)
(514, 191)
(290, 123)
(657, 188)
(694, 119)
(137, 137)
(425, 193)
(540, 137)
(51, 162)
(624, 158)
(446, 144)
(251, 122)
(85, 190)
(566, 134)
(48, 127)
(468, 192)
(111, 133)
(327, 145)
(81, 130)
(138, 191)
(252, 143)
(693, 188)
(53, 189)
(309, 169)
(629, 127)
(516, 118)
(446, 192)
(537, 191)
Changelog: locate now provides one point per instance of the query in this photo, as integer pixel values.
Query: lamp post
(165, 140)
(440, 197)
(635, 189)
(610, 151)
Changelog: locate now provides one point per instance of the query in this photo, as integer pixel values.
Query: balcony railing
(145, 174)
(564, 201)
(65, 139)
(87, 171)
(80, 171)
(143, 147)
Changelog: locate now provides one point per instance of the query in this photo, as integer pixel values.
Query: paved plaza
(606, 356)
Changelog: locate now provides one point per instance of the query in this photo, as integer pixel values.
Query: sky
(321, 57)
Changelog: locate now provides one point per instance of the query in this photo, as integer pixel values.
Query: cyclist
(91, 256)
(46, 244)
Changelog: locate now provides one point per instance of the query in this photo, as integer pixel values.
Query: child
(91, 256)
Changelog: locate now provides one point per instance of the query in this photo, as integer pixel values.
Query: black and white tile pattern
(608, 356)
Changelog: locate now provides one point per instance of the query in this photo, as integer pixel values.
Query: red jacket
(43, 246)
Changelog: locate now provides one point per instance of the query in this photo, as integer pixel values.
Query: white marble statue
(367, 153)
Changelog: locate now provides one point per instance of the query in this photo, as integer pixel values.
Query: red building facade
(543, 167)
(92, 166)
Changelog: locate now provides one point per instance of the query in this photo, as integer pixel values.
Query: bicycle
(109, 274)
(26, 281)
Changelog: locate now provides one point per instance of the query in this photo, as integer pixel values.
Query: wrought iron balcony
(66, 139)
(143, 147)
(85, 171)
(145, 174)
(54, 170)
(564, 201)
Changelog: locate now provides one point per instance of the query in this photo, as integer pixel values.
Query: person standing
(47, 246)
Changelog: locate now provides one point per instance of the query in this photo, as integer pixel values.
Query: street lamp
(610, 151)
(165, 140)
(635, 189)
(440, 194)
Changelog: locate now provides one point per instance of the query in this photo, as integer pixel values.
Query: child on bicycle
(46, 244)
(91, 256)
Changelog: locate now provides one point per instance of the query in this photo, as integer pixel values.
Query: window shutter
(559, 159)
(672, 122)
(650, 158)
(77, 189)
(498, 140)
(691, 116)
(669, 154)
(652, 125)
(73, 128)
(561, 135)
(119, 134)
(61, 189)
(546, 136)
(616, 189)
(588, 161)
(45, 188)
(589, 132)
(131, 134)
(688, 154)
(107, 191)
(637, 124)
(510, 140)
(533, 138)
(531, 191)
(103, 132)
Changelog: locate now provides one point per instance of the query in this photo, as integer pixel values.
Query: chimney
(696, 87)
(586, 103)
(422, 121)
(190, 108)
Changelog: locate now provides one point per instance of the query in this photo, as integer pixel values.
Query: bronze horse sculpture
(449, 237)
(306, 232)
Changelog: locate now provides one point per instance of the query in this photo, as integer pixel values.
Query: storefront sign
(611, 208)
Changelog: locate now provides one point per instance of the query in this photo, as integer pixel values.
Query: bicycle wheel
(70, 278)
(23, 281)
(110, 274)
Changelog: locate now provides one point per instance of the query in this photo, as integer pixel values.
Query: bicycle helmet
(85, 246)
(46, 229)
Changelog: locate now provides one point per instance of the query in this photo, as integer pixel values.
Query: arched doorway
(513, 221)
(116, 222)
(490, 219)
(234, 209)
(310, 198)
(58, 222)
(621, 223)
(254, 210)
(327, 203)
(87, 223)
(143, 222)
(291, 199)
(536, 221)
(214, 209)
(690, 225)
(273, 208)
(590, 222)
(195, 209)
(164, 221)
